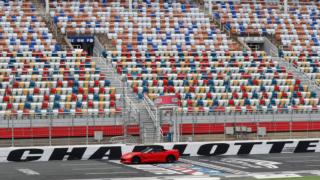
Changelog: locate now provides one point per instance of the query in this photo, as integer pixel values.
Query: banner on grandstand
(49, 153)
(170, 100)
(81, 39)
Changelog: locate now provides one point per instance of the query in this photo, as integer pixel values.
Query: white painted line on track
(28, 171)
(150, 168)
(290, 157)
(274, 176)
(221, 168)
(228, 164)
(303, 161)
(83, 164)
(159, 178)
(194, 178)
(313, 165)
(96, 168)
(91, 179)
(114, 172)
(315, 172)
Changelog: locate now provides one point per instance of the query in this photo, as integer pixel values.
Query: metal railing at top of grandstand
(196, 62)
(268, 4)
(278, 111)
(114, 3)
(200, 63)
(172, 75)
(228, 41)
(115, 53)
(112, 113)
(124, 5)
(60, 72)
(59, 115)
(135, 11)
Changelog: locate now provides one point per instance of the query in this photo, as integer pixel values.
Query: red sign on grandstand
(169, 100)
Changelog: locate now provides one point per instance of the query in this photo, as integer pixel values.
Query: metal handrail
(148, 105)
(115, 112)
(116, 77)
(148, 108)
(296, 69)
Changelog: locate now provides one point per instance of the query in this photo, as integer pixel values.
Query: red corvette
(151, 155)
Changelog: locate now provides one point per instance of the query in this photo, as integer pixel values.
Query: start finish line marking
(150, 168)
(29, 172)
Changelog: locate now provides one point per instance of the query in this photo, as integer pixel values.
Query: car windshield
(147, 150)
(152, 149)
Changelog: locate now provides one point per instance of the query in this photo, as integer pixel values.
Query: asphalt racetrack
(187, 168)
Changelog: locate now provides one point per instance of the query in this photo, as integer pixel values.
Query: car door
(149, 156)
(159, 155)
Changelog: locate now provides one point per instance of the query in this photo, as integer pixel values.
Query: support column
(47, 6)
(158, 126)
(285, 7)
(176, 129)
(130, 5)
(210, 7)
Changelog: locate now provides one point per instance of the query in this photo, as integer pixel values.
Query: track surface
(191, 168)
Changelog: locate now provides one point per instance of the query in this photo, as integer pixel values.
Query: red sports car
(151, 155)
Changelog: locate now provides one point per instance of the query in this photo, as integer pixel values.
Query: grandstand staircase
(61, 39)
(305, 80)
(143, 110)
(106, 42)
(201, 6)
(297, 74)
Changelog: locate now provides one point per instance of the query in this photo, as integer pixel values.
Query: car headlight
(127, 157)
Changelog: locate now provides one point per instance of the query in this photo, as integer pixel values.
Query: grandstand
(132, 54)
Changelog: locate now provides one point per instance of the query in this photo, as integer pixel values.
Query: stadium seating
(152, 26)
(38, 78)
(297, 32)
(216, 81)
(21, 28)
(160, 48)
(59, 82)
(173, 49)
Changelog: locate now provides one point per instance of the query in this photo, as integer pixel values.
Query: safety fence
(121, 127)
(65, 129)
(197, 126)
